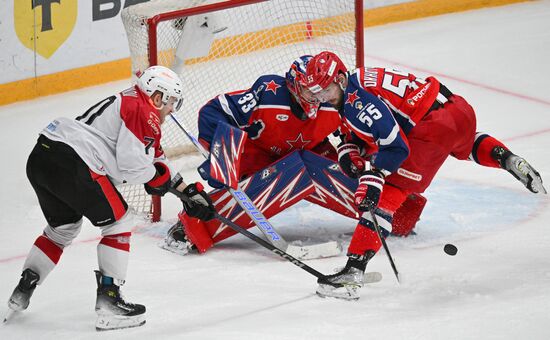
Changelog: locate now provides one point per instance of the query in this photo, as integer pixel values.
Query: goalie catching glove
(367, 195)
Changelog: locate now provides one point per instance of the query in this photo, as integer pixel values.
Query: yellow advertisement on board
(43, 25)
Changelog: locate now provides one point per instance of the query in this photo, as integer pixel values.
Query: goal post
(223, 46)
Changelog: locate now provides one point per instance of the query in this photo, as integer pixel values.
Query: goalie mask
(295, 81)
(163, 80)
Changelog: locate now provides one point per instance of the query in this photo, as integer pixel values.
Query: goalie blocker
(300, 175)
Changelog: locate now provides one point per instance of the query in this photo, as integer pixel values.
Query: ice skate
(113, 312)
(343, 285)
(21, 296)
(176, 241)
(520, 169)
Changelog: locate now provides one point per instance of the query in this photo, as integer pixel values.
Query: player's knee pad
(63, 235)
(123, 225)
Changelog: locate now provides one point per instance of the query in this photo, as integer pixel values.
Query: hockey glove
(367, 195)
(350, 160)
(198, 204)
(160, 184)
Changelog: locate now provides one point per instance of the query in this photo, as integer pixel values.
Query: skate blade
(9, 315)
(162, 244)
(315, 251)
(347, 292)
(112, 322)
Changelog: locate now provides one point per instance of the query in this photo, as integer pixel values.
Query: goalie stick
(370, 277)
(327, 249)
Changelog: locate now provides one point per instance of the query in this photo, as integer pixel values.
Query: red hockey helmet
(296, 83)
(322, 71)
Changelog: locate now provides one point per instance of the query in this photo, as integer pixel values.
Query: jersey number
(369, 114)
(247, 102)
(396, 81)
(150, 141)
(95, 111)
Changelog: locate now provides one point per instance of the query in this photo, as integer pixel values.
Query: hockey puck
(450, 249)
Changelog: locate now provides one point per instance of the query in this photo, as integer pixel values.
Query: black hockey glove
(367, 195)
(350, 160)
(160, 184)
(197, 203)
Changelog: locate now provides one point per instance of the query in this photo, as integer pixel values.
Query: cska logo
(44, 25)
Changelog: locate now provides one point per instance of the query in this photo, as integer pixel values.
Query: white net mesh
(235, 46)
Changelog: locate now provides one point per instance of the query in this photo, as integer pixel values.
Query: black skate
(19, 299)
(112, 311)
(520, 169)
(176, 241)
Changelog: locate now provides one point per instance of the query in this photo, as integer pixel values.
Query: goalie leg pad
(333, 189)
(272, 189)
(197, 231)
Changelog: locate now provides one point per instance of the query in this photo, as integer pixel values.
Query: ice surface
(496, 287)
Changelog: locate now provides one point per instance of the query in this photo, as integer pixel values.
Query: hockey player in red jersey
(407, 126)
(74, 168)
(279, 120)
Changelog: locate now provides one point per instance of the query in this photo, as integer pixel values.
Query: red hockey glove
(367, 195)
(160, 184)
(350, 160)
(198, 204)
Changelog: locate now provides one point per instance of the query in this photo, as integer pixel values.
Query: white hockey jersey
(118, 137)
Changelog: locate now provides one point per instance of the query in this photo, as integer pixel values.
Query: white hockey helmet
(164, 80)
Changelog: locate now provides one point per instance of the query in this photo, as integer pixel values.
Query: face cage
(310, 107)
(322, 94)
(177, 105)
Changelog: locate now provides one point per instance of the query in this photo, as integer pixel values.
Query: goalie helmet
(163, 80)
(295, 81)
(322, 71)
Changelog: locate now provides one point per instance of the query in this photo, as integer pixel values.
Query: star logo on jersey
(272, 86)
(298, 143)
(352, 97)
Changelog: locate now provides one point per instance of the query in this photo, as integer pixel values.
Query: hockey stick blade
(315, 251)
(372, 277)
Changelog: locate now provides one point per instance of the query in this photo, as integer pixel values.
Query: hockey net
(219, 47)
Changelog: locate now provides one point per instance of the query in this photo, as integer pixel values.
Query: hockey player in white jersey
(74, 168)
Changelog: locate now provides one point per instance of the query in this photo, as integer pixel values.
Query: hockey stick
(327, 249)
(370, 277)
(384, 244)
